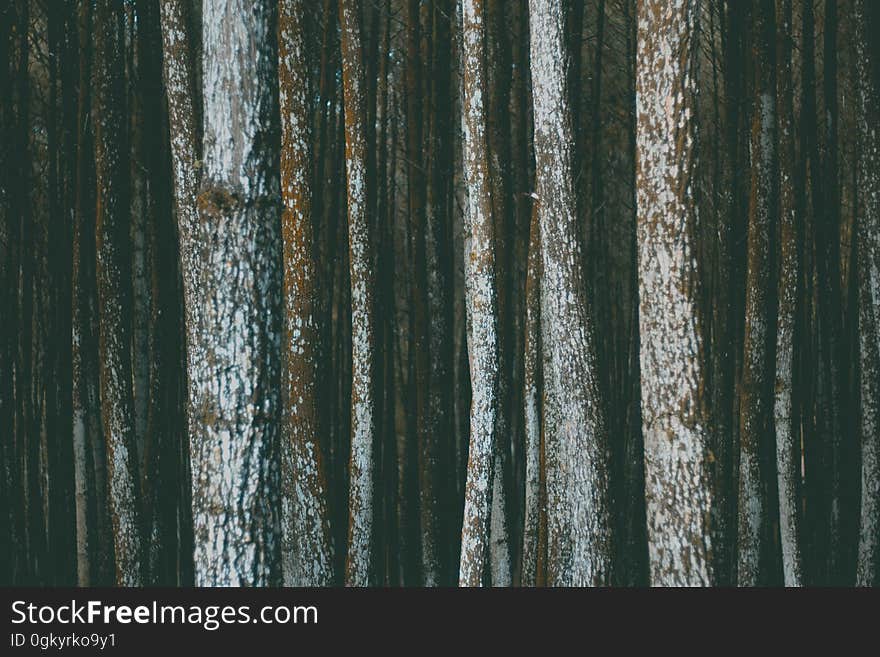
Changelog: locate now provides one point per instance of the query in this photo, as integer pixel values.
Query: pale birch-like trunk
(579, 545)
(868, 236)
(480, 300)
(359, 570)
(233, 290)
(787, 440)
(115, 363)
(676, 432)
(306, 557)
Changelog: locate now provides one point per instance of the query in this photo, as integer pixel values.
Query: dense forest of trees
(438, 292)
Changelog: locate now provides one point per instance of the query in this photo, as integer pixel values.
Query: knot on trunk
(215, 202)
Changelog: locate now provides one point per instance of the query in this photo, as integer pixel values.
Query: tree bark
(787, 442)
(306, 555)
(755, 389)
(115, 362)
(233, 293)
(481, 301)
(184, 143)
(87, 434)
(676, 432)
(428, 445)
(532, 396)
(359, 563)
(579, 540)
(438, 254)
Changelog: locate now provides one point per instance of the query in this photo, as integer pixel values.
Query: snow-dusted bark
(676, 432)
(868, 236)
(115, 363)
(359, 561)
(754, 389)
(306, 557)
(787, 443)
(233, 290)
(480, 300)
(532, 408)
(579, 549)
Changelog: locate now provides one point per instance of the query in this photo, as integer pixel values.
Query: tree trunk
(115, 362)
(181, 94)
(532, 396)
(87, 434)
(438, 254)
(359, 563)
(305, 551)
(481, 301)
(787, 440)
(428, 445)
(676, 432)
(755, 388)
(233, 260)
(574, 422)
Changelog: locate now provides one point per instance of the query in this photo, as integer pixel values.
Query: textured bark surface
(359, 569)
(532, 397)
(676, 433)
(233, 260)
(480, 301)
(579, 542)
(115, 362)
(868, 226)
(787, 442)
(305, 550)
(754, 386)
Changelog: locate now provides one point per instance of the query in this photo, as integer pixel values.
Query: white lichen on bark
(359, 560)
(480, 301)
(578, 526)
(233, 286)
(306, 557)
(677, 442)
